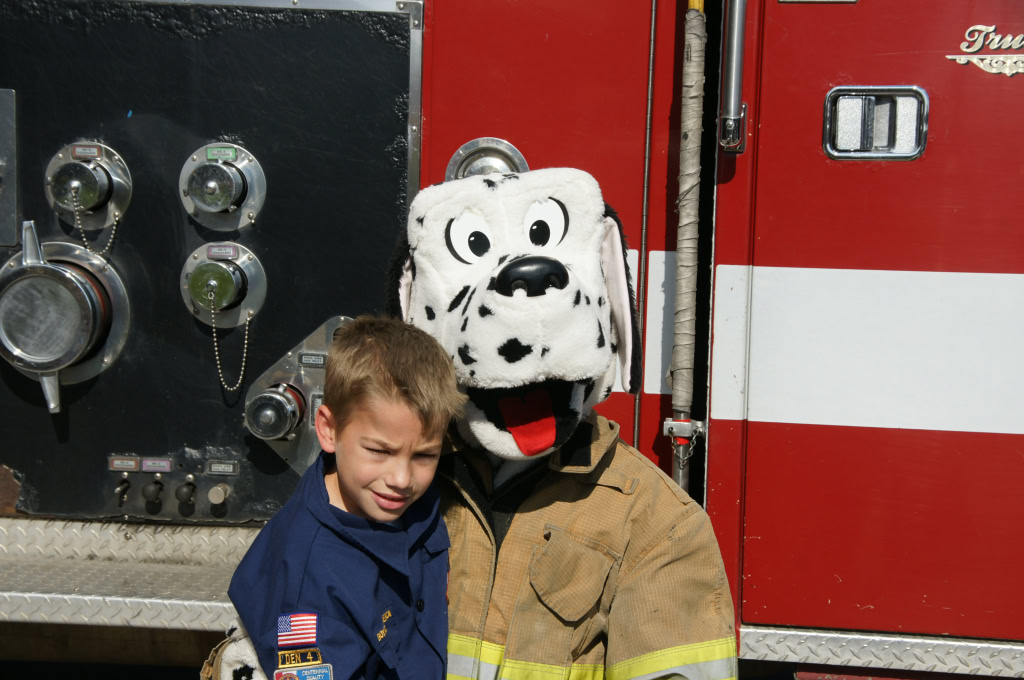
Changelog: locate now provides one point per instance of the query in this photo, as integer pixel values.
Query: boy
(349, 579)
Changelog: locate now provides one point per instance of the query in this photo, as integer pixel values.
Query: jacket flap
(569, 576)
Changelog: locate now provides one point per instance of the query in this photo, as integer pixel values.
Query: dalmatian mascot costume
(572, 556)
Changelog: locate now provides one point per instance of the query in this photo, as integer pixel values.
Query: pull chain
(216, 348)
(75, 188)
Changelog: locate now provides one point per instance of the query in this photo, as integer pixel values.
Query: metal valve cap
(275, 412)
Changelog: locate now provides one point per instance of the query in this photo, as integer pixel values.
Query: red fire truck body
(865, 451)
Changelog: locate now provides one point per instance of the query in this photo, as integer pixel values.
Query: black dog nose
(534, 274)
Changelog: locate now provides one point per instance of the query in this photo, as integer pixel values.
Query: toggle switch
(151, 492)
(218, 494)
(185, 493)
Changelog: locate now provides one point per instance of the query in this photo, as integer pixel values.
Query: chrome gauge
(222, 186)
(92, 179)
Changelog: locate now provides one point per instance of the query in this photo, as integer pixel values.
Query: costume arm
(672, 612)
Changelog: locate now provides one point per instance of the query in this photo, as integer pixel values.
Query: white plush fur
(237, 656)
(563, 334)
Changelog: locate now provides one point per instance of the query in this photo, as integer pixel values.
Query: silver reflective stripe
(463, 667)
(719, 669)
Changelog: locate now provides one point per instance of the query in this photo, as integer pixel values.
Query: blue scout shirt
(327, 595)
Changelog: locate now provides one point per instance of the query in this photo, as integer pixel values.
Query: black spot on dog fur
(419, 220)
(576, 300)
(464, 322)
(511, 175)
(430, 312)
(513, 350)
(466, 357)
(544, 350)
(600, 335)
(492, 284)
(501, 260)
(491, 184)
(457, 300)
(607, 393)
(614, 347)
(468, 300)
(484, 311)
(600, 302)
(586, 297)
(472, 373)
(244, 672)
(412, 268)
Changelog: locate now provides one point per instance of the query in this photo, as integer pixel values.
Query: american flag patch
(296, 629)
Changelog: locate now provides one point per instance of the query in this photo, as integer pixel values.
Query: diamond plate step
(879, 650)
(119, 575)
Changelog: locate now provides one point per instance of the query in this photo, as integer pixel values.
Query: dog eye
(467, 237)
(546, 220)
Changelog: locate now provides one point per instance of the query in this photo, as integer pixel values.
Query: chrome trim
(341, 5)
(881, 650)
(1007, 64)
(120, 310)
(732, 121)
(870, 90)
(640, 285)
(8, 169)
(414, 8)
(483, 147)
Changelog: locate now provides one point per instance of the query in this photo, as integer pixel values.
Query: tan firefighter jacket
(608, 570)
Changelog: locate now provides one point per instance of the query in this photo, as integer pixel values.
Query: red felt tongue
(530, 420)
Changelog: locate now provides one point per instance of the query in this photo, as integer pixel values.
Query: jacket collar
(593, 439)
(389, 542)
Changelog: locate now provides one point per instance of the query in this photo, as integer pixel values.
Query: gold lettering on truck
(982, 36)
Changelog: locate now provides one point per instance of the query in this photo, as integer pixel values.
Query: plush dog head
(523, 280)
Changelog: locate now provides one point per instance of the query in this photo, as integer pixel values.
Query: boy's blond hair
(386, 358)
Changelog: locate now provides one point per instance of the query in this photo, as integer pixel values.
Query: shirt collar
(390, 542)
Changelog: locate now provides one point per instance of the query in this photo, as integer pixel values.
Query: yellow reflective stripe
(464, 651)
(531, 670)
(463, 645)
(673, 657)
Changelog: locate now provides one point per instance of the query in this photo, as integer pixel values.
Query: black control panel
(159, 125)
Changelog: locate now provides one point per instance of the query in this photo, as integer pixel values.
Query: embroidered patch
(321, 672)
(382, 632)
(296, 630)
(299, 657)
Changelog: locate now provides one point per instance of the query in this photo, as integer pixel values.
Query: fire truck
(823, 202)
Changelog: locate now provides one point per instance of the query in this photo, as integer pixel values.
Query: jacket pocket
(569, 574)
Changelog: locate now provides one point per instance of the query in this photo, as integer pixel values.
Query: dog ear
(622, 300)
(401, 274)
